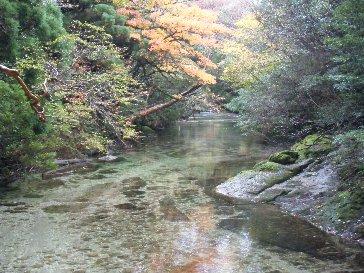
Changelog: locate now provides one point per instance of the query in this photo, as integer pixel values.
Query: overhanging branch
(34, 99)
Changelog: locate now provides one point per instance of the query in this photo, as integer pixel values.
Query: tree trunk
(34, 100)
(156, 108)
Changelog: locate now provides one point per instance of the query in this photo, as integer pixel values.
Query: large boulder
(251, 186)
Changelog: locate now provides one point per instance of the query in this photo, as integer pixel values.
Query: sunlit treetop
(250, 55)
(176, 34)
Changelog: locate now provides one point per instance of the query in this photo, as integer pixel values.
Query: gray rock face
(258, 186)
(308, 189)
(300, 190)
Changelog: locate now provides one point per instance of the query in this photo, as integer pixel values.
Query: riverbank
(319, 179)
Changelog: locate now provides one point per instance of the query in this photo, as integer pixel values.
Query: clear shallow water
(154, 212)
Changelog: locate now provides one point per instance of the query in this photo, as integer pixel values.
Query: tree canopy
(105, 70)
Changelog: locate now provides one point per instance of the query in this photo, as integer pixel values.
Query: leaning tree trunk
(34, 99)
(156, 108)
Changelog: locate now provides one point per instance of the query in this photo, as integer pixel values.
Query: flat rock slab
(258, 186)
(246, 185)
(308, 189)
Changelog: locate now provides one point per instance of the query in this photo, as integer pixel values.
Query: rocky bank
(304, 181)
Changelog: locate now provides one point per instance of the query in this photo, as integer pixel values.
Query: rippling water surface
(154, 212)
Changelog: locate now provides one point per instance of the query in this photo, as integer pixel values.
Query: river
(155, 211)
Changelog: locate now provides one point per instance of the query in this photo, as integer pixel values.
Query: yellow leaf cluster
(175, 32)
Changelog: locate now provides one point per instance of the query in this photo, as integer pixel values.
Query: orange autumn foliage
(175, 33)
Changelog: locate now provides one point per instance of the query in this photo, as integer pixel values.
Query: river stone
(75, 168)
(134, 183)
(170, 211)
(128, 206)
(307, 191)
(270, 226)
(65, 208)
(111, 158)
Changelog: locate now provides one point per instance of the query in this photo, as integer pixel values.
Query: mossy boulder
(313, 146)
(268, 166)
(284, 157)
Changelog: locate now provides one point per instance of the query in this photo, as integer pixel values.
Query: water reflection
(154, 213)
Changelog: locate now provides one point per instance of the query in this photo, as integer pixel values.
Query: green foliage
(349, 203)
(348, 46)
(349, 159)
(105, 15)
(24, 143)
(26, 22)
(316, 80)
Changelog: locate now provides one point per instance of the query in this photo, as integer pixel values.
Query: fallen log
(156, 108)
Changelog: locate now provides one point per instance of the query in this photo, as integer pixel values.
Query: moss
(146, 130)
(284, 157)
(313, 146)
(346, 205)
(267, 166)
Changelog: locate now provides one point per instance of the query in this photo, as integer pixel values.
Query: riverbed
(155, 211)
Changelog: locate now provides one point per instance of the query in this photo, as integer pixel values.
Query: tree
(169, 48)
(250, 55)
(171, 35)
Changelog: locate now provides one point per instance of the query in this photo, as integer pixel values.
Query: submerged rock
(271, 226)
(128, 206)
(133, 193)
(12, 204)
(65, 208)
(134, 182)
(76, 168)
(170, 211)
(64, 162)
(47, 184)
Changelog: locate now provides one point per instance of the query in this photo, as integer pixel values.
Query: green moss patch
(284, 157)
(313, 146)
(267, 166)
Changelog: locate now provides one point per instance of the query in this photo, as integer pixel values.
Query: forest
(84, 79)
(105, 73)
